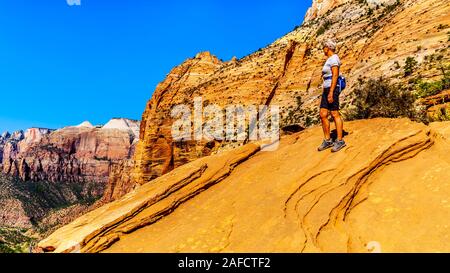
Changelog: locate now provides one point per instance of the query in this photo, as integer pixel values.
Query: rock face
(49, 178)
(388, 188)
(8, 144)
(320, 8)
(374, 39)
(438, 105)
(73, 154)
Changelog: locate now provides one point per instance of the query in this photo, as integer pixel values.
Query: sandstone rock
(437, 106)
(34, 135)
(320, 8)
(287, 73)
(388, 188)
(440, 98)
(120, 181)
(322, 199)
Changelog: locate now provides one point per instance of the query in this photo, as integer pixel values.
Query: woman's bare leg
(339, 124)
(325, 123)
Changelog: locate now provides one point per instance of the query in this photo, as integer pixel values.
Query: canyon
(74, 153)
(50, 177)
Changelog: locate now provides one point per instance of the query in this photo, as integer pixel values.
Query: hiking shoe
(326, 144)
(338, 145)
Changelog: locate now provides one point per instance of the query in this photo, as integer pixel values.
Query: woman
(330, 99)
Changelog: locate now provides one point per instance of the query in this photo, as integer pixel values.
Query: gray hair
(331, 44)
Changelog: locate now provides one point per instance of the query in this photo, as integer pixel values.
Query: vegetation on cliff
(31, 210)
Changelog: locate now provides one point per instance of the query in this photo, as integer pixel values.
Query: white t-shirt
(326, 71)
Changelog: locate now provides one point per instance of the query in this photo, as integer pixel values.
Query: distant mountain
(49, 177)
(75, 153)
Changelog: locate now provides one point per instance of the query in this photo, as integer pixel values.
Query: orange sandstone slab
(386, 191)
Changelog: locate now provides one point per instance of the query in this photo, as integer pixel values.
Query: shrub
(379, 98)
(396, 65)
(297, 115)
(393, 6)
(410, 65)
(426, 89)
(324, 27)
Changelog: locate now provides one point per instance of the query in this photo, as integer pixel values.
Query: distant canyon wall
(71, 154)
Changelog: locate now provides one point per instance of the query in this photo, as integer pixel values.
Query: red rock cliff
(72, 154)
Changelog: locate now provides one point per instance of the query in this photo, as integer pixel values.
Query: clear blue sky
(61, 64)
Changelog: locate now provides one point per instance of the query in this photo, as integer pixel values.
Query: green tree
(379, 98)
(410, 65)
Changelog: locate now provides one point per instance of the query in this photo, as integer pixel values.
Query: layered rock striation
(375, 38)
(81, 153)
(388, 188)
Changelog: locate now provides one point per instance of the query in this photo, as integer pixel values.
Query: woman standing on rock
(330, 99)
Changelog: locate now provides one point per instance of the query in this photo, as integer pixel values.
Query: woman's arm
(334, 80)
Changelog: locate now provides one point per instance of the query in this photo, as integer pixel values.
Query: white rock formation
(85, 124)
(320, 7)
(124, 124)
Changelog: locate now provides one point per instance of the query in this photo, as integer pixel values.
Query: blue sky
(61, 64)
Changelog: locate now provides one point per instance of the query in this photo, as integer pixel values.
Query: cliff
(375, 38)
(388, 188)
(73, 154)
(50, 177)
(10, 141)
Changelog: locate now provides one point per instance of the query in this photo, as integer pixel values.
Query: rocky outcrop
(8, 144)
(120, 181)
(374, 39)
(388, 188)
(321, 8)
(438, 106)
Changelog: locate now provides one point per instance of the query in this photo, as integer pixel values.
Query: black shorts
(330, 106)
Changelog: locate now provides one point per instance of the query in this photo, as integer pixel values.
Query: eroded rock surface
(388, 189)
(374, 39)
